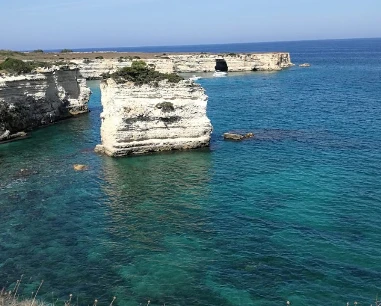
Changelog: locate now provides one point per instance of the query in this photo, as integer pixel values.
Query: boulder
(79, 167)
(237, 137)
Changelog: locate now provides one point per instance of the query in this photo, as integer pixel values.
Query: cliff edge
(187, 63)
(35, 99)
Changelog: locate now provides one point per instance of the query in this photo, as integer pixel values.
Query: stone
(79, 167)
(4, 135)
(237, 137)
(305, 65)
(233, 136)
(149, 118)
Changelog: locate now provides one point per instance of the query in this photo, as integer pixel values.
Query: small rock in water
(234, 136)
(305, 65)
(78, 167)
(23, 173)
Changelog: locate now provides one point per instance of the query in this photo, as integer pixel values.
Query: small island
(148, 111)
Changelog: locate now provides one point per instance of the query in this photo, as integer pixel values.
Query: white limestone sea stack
(139, 119)
(35, 99)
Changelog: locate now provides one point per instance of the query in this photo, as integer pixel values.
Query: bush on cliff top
(6, 53)
(139, 73)
(16, 66)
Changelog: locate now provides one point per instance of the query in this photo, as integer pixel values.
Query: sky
(58, 24)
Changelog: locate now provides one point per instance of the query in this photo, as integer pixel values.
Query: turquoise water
(292, 214)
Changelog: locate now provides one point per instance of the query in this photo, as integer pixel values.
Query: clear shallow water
(293, 214)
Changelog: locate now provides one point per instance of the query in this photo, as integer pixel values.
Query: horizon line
(203, 44)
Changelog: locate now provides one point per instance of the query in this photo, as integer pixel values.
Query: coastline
(49, 56)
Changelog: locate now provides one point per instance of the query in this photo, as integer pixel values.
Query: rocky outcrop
(193, 63)
(235, 136)
(235, 62)
(32, 100)
(149, 118)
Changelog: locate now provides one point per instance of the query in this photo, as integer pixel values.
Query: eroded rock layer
(148, 118)
(32, 100)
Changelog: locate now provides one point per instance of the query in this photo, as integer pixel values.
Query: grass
(12, 298)
(16, 66)
(8, 53)
(165, 106)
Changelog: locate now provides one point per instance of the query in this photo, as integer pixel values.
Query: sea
(290, 215)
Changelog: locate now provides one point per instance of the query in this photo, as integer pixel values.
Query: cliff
(193, 63)
(31, 100)
(235, 62)
(148, 118)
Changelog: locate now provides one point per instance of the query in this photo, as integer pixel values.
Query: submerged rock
(138, 119)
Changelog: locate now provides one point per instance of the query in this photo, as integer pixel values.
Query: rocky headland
(150, 111)
(189, 63)
(40, 97)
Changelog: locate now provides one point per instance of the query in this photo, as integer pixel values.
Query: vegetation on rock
(66, 51)
(165, 106)
(7, 53)
(38, 51)
(16, 66)
(139, 73)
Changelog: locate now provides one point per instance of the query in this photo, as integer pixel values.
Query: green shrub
(16, 66)
(140, 74)
(8, 53)
(38, 51)
(99, 57)
(165, 106)
(66, 51)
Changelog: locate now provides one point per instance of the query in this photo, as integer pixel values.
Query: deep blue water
(292, 214)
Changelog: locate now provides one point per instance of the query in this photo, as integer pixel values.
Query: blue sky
(52, 24)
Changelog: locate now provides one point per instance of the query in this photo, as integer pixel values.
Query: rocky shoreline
(93, 64)
(188, 63)
(32, 100)
(155, 116)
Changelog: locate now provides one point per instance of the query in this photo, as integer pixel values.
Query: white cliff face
(142, 119)
(191, 63)
(33, 100)
(235, 62)
(93, 69)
